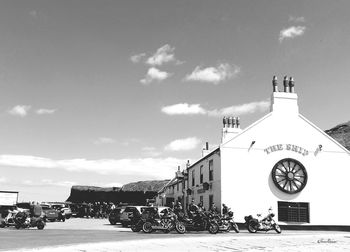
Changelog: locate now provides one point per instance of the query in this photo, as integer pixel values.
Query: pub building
(282, 161)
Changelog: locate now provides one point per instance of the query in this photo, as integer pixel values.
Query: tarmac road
(99, 235)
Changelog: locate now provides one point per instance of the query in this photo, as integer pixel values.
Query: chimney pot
(285, 84)
(237, 122)
(206, 145)
(291, 85)
(275, 84)
(224, 121)
(230, 122)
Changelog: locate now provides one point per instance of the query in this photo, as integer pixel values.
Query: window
(201, 174)
(211, 200)
(201, 199)
(293, 211)
(211, 166)
(177, 187)
(192, 177)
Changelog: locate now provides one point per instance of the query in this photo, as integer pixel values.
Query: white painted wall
(247, 186)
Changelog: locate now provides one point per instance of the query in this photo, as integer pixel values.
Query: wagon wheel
(289, 175)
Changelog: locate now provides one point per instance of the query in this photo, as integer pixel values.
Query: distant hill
(341, 133)
(141, 186)
(136, 192)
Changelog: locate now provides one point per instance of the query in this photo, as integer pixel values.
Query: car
(114, 215)
(51, 214)
(129, 212)
(64, 208)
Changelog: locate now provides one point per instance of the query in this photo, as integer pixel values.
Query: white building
(281, 161)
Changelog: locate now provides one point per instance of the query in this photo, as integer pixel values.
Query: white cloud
(3, 179)
(137, 58)
(296, 19)
(20, 110)
(247, 108)
(153, 168)
(151, 151)
(155, 74)
(112, 184)
(183, 144)
(291, 32)
(213, 75)
(196, 109)
(44, 111)
(104, 140)
(48, 182)
(163, 55)
(183, 109)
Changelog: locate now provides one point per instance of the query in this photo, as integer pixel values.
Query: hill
(341, 133)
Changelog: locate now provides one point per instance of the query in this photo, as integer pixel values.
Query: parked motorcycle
(226, 222)
(264, 224)
(23, 220)
(201, 221)
(167, 222)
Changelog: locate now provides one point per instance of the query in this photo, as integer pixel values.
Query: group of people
(93, 209)
(193, 208)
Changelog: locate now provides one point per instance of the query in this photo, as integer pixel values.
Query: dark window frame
(211, 170)
(201, 174)
(298, 212)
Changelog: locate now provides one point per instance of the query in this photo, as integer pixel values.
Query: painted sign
(288, 147)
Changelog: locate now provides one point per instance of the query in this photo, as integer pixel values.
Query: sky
(105, 92)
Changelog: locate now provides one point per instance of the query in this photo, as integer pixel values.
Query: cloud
(165, 54)
(104, 140)
(153, 168)
(20, 110)
(196, 109)
(247, 108)
(155, 74)
(151, 151)
(112, 184)
(3, 179)
(44, 111)
(291, 32)
(33, 13)
(296, 19)
(183, 109)
(137, 58)
(213, 75)
(48, 182)
(183, 144)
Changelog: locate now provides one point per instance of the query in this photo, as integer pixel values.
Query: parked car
(63, 208)
(129, 213)
(51, 214)
(114, 215)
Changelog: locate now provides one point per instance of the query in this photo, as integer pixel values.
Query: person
(192, 209)
(225, 209)
(178, 208)
(200, 207)
(213, 209)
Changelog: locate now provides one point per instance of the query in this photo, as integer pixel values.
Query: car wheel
(147, 227)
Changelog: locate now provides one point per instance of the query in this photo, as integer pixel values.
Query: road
(99, 235)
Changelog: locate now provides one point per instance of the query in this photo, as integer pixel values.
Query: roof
(202, 158)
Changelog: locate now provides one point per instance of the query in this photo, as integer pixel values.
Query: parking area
(98, 235)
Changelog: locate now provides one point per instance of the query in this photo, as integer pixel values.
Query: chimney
(232, 129)
(285, 103)
(205, 150)
(178, 174)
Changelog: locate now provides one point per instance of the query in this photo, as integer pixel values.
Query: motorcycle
(23, 220)
(167, 222)
(265, 224)
(8, 220)
(200, 222)
(226, 222)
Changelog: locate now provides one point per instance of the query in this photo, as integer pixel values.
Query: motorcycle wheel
(180, 228)
(235, 227)
(40, 225)
(251, 228)
(213, 228)
(147, 227)
(2, 224)
(277, 228)
(135, 228)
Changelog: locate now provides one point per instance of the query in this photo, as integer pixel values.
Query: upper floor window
(193, 178)
(211, 172)
(177, 187)
(201, 174)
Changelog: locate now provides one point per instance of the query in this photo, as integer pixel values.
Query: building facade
(282, 161)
